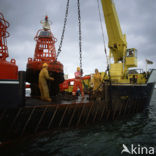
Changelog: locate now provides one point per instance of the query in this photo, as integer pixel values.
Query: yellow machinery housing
(123, 58)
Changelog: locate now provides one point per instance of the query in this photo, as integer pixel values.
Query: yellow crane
(123, 58)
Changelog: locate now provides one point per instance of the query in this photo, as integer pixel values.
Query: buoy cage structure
(45, 52)
(8, 70)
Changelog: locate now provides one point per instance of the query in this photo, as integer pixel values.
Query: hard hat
(78, 68)
(96, 70)
(45, 65)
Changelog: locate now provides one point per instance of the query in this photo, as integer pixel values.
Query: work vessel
(123, 91)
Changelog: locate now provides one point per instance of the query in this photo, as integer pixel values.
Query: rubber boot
(48, 99)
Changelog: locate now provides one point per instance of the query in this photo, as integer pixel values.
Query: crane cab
(131, 57)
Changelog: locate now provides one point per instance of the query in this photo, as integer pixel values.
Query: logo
(125, 149)
(137, 150)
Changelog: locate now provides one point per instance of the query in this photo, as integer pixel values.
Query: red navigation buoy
(8, 70)
(45, 52)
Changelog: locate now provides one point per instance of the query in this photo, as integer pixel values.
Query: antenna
(46, 23)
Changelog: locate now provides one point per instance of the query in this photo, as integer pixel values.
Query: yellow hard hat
(45, 65)
(78, 68)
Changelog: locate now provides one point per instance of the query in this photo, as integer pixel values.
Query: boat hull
(130, 95)
(38, 116)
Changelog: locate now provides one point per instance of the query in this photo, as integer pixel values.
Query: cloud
(136, 19)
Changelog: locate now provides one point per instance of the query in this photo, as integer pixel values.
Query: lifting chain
(108, 65)
(80, 36)
(103, 37)
(63, 31)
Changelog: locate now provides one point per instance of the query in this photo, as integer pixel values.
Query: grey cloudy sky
(137, 19)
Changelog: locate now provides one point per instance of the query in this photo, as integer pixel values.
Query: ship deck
(59, 100)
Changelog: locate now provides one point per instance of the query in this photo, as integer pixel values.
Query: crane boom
(117, 42)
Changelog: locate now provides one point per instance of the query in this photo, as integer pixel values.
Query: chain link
(63, 31)
(80, 36)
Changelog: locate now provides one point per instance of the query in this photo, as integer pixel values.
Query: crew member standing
(78, 82)
(43, 77)
(96, 80)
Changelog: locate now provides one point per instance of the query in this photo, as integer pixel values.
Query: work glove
(52, 78)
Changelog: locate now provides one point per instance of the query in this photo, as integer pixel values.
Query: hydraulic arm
(117, 42)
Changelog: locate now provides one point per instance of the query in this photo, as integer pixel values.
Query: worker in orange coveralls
(43, 77)
(78, 82)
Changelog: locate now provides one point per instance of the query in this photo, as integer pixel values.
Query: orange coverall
(77, 83)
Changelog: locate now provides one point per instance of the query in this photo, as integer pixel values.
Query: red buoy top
(45, 51)
(45, 46)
